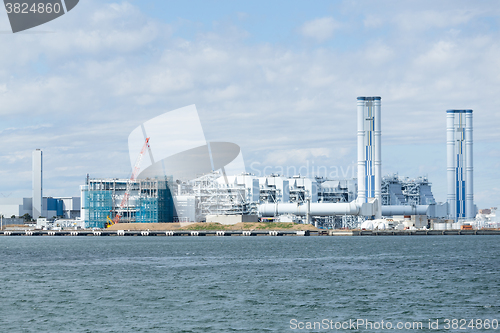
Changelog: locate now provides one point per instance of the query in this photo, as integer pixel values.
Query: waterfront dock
(201, 233)
(412, 232)
(197, 233)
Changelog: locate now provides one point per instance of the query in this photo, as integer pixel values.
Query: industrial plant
(215, 196)
(200, 181)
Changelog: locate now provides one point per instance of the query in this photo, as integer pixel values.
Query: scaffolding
(149, 201)
(216, 198)
(148, 210)
(100, 204)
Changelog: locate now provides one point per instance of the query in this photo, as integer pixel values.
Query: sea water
(249, 284)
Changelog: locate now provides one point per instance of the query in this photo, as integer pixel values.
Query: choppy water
(244, 284)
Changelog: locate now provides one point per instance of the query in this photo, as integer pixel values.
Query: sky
(278, 78)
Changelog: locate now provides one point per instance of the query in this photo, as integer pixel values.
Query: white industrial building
(305, 200)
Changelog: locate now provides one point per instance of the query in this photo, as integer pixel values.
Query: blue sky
(279, 78)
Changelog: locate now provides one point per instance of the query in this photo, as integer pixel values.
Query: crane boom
(135, 172)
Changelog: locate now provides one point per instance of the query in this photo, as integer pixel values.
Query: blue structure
(100, 205)
(150, 201)
(54, 204)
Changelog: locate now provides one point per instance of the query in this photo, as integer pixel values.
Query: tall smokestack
(460, 164)
(37, 184)
(369, 150)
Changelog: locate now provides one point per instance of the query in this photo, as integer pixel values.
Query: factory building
(289, 198)
(402, 191)
(38, 205)
(63, 207)
(214, 194)
(403, 196)
(278, 197)
(460, 164)
(69, 206)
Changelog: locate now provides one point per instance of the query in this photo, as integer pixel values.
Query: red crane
(137, 167)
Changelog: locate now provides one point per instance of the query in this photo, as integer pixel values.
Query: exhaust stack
(369, 151)
(460, 164)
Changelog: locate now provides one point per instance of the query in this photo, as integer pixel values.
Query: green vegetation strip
(249, 226)
(275, 225)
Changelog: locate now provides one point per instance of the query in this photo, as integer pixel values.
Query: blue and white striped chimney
(460, 164)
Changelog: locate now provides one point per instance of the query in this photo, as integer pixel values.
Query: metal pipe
(405, 210)
(316, 209)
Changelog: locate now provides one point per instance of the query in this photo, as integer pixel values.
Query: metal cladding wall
(460, 164)
(166, 206)
(369, 150)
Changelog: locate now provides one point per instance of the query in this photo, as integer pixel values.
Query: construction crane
(126, 196)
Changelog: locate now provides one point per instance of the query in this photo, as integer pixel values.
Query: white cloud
(295, 156)
(417, 20)
(117, 68)
(373, 21)
(378, 53)
(441, 53)
(320, 29)
(26, 128)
